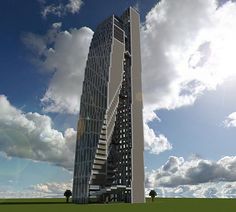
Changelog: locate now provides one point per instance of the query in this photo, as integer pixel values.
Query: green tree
(67, 194)
(152, 194)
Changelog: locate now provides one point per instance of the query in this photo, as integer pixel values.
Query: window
(118, 34)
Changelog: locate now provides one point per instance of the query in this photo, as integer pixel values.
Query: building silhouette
(109, 162)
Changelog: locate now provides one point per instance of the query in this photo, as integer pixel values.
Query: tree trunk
(152, 199)
(67, 199)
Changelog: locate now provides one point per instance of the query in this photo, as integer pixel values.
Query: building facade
(109, 163)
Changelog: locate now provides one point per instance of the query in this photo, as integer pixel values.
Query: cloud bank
(64, 55)
(187, 49)
(184, 57)
(52, 189)
(31, 135)
(42, 190)
(178, 172)
(204, 190)
(194, 178)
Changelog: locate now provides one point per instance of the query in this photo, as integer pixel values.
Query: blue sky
(188, 89)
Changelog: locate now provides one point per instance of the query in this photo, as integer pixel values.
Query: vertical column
(137, 117)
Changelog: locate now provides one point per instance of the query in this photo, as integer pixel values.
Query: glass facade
(104, 149)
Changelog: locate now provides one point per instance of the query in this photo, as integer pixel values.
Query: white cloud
(187, 48)
(178, 172)
(204, 190)
(166, 38)
(64, 54)
(230, 120)
(31, 135)
(72, 6)
(184, 57)
(194, 178)
(54, 189)
(6, 194)
(153, 143)
(41, 190)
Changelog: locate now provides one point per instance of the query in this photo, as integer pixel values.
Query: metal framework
(109, 147)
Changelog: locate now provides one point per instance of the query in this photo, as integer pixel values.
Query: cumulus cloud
(31, 135)
(230, 120)
(10, 194)
(204, 190)
(52, 189)
(64, 54)
(194, 178)
(72, 6)
(153, 143)
(177, 172)
(42, 190)
(183, 57)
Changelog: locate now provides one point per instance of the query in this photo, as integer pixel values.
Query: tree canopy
(152, 194)
(67, 194)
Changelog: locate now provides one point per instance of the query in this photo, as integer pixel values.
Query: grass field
(160, 204)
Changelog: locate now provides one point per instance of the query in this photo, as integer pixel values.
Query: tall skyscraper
(109, 162)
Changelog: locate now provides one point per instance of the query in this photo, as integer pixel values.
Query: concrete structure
(109, 162)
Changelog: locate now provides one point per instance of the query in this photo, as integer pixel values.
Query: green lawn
(160, 204)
